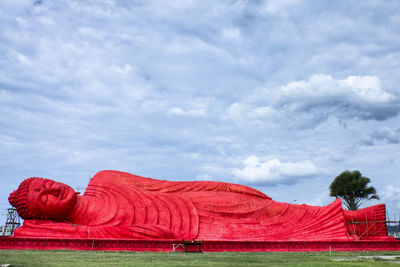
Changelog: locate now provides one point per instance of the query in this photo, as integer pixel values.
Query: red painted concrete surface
(207, 246)
(119, 205)
(122, 211)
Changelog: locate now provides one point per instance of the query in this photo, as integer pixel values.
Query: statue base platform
(206, 246)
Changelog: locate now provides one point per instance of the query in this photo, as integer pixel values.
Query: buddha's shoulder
(120, 177)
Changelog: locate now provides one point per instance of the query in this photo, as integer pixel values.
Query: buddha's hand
(46, 228)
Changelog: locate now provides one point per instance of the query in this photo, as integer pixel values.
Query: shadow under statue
(120, 205)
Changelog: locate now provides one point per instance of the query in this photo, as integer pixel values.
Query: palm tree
(352, 188)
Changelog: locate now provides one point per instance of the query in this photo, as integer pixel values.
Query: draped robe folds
(121, 205)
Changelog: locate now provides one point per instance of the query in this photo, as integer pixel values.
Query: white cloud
(237, 111)
(391, 192)
(367, 88)
(278, 6)
(125, 70)
(322, 199)
(246, 114)
(263, 112)
(204, 177)
(318, 99)
(191, 112)
(325, 90)
(385, 134)
(11, 4)
(179, 4)
(274, 171)
(391, 195)
(231, 34)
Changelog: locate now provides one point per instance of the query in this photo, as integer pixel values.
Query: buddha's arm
(172, 186)
(42, 228)
(45, 228)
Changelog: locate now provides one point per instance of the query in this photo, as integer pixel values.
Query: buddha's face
(51, 199)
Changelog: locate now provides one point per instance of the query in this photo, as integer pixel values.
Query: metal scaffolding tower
(13, 221)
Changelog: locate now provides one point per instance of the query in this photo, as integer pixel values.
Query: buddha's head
(38, 198)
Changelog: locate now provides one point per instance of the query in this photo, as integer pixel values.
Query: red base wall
(207, 246)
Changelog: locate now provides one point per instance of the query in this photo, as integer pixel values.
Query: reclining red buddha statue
(125, 206)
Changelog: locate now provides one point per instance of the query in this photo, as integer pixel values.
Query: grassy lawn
(220, 259)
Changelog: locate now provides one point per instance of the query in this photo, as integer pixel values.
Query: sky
(281, 96)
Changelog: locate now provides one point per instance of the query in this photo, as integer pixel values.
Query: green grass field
(220, 259)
